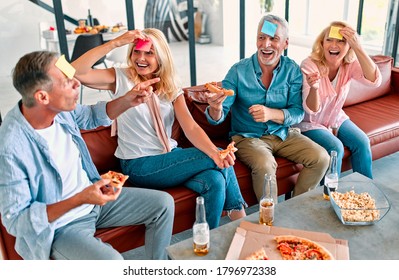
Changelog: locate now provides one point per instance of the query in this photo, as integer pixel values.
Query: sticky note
(334, 33)
(269, 28)
(65, 67)
(143, 45)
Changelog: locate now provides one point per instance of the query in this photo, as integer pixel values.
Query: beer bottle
(89, 18)
(200, 229)
(331, 177)
(266, 203)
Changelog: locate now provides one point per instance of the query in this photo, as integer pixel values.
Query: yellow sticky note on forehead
(65, 67)
(334, 33)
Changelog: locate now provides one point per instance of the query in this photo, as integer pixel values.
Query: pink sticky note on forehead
(143, 45)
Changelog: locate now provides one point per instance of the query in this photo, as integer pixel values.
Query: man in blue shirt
(52, 198)
(266, 103)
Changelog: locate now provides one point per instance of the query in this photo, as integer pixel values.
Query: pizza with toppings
(258, 255)
(230, 148)
(117, 179)
(298, 248)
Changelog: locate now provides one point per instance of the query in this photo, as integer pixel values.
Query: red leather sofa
(376, 111)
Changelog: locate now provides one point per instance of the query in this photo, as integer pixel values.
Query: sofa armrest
(395, 79)
(102, 148)
(3, 253)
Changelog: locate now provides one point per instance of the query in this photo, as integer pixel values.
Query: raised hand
(351, 36)
(129, 37)
(215, 100)
(313, 80)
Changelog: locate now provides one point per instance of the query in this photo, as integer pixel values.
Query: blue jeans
(350, 136)
(194, 169)
(134, 206)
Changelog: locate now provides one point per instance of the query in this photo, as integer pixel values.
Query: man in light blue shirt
(266, 103)
(52, 198)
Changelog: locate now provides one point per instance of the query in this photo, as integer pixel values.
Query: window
(306, 22)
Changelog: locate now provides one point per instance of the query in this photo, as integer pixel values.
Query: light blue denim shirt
(29, 179)
(284, 92)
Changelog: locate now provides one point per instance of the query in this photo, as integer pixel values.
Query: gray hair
(31, 74)
(274, 18)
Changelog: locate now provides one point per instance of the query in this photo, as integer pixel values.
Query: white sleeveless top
(136, 133)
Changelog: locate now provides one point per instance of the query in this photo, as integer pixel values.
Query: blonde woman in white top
(146, 150)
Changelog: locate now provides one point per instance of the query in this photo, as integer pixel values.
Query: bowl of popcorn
(359, 203)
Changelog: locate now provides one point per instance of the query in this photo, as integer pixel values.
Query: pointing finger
(148, 83)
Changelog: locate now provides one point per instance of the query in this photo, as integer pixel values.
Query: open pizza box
(250, 237)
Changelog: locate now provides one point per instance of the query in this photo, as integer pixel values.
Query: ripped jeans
(195, 170)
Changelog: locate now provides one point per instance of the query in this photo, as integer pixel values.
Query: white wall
(20, 21)
(19, 31)
(20, 25)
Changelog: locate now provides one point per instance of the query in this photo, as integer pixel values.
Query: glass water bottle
(266, 203)
(200, 229)
(331, 178)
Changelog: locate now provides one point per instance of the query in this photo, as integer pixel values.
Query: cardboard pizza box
(250, 237)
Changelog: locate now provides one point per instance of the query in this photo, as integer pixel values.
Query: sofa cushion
(377, 118)
(102, 148)
(360, 93)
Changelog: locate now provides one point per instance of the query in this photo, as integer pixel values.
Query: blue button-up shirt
(284, 92)
(29, 179)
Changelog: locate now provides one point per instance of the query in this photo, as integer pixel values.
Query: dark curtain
(170, 16)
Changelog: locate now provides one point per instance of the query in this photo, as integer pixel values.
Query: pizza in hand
(230, 148)
(298, 248)
(117, 179)
(213, 87)
(258, 255)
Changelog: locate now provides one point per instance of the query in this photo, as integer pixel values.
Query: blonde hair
(317, 54)
(169, 84)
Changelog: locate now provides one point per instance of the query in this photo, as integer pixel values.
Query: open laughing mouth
(334, 53)
(141, 65)
(267, 53)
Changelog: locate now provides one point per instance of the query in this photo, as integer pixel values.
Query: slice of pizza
(230, 148)
(298, 248)
(117, 179)
(258, 255)
(214, 87)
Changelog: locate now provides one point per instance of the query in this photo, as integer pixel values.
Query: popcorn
(356, 207)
